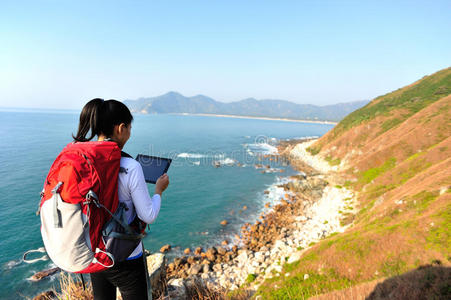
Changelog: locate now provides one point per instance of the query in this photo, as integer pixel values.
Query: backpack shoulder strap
(125, 154)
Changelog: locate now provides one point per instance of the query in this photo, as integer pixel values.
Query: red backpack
(83, 224)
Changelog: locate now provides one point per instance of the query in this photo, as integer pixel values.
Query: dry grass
(357, 292)
(425, 282)
(197, 290)
(70, 290)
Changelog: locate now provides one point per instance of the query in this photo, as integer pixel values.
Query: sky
(60, 54)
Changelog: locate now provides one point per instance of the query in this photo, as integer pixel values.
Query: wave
(227, 161)
(190, 155)
(198, 155)
(261, 149)
(11, 264)
(272, 194)
(303, 138)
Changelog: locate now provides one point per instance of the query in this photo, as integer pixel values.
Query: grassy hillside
(396, 152)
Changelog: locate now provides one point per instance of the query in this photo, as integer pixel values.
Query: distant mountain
(173, 102)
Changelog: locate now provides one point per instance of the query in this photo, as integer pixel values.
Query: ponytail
(100, 117)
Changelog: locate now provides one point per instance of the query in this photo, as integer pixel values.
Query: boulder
(224, 222)
(206, 268)
(48, 295)
(176, 289)
(165, 248)
(43, 274)
(156, 266)
(221, 250)
(195, 269)
(187, 251)
(191, 260)
(198, 251)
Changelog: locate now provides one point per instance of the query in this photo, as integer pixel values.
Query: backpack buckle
(57, 187)
(91, 196)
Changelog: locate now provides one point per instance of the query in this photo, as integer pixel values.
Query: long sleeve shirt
(133, 192)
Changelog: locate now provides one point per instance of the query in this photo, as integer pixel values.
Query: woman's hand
(162, 184)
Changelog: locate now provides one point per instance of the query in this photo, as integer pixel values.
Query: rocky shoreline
(313, 207)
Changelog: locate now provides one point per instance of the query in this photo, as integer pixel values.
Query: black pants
(129, 276)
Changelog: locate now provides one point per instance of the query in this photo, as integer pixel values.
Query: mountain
(173, 102)
(395, 152)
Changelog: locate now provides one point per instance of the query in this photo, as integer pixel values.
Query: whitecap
(11, 264)
(227, 162)
(190, 155)
(262, 149)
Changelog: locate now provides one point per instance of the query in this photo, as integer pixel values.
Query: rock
(171, 267)
(229, 256)
(211, 254)
(198, 251)
(191, 260)
(242, 258)
(179, 261)
(234, 248)
(244, 207)
(225, 242)
(43, 274)
(195, 269)
(266, 192)
(165, 248)
(217, 267)
(48, 295)
(206, 268)
(224, 222)
(187, 251)
(156, 266)
(295, 257)
(306, 276)
(221, 250)
(176, 289)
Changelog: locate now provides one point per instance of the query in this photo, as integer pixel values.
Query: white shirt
(132, 190)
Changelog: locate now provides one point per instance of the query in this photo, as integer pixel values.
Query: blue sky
(59, 54)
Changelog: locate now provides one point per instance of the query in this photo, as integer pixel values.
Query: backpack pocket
(119, 237)
(67, 243)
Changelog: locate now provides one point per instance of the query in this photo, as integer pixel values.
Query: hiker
(111, 120)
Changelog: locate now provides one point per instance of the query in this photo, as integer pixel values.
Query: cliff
(395, 153)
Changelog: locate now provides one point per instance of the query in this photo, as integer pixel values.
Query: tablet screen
(153, 167)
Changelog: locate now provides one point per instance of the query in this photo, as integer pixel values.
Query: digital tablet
(153, 167)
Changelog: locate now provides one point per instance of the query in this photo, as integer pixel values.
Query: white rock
(176, 289)
(294, 257)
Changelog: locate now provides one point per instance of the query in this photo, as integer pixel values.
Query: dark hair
(100, 117)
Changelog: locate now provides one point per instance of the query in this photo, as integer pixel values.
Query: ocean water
(199, 196)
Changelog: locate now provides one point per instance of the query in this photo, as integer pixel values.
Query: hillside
(395, 152)
(173, 102)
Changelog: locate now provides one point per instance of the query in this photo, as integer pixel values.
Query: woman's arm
(146, 208)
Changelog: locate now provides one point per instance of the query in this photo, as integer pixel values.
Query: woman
(111, 120)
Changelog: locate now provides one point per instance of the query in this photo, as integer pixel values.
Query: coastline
(257, 118)
(300, 210)
(312, 207)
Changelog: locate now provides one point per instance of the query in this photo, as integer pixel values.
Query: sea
(213, 177)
